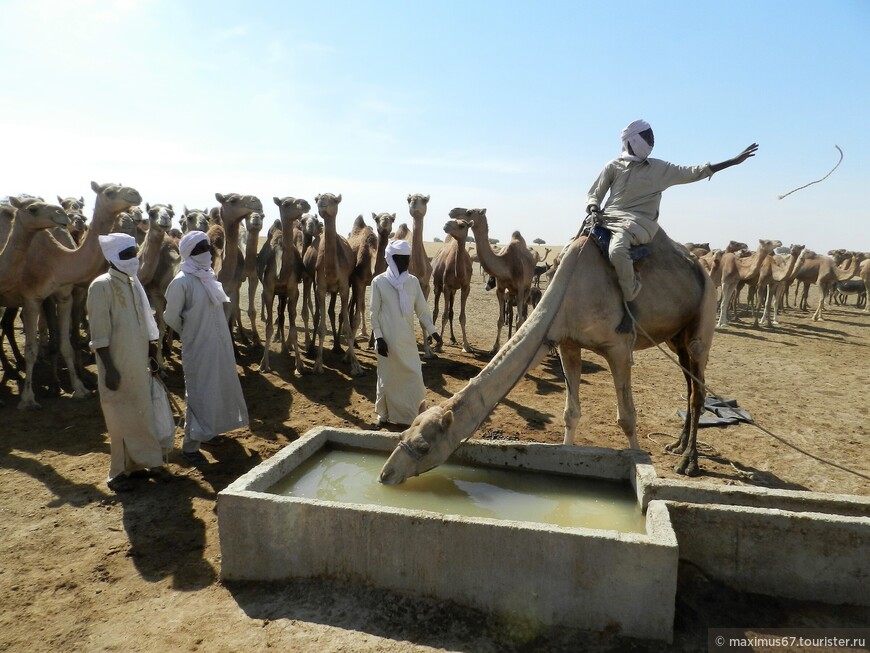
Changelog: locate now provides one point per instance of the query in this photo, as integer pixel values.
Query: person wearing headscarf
(396, 296)
(635, 183)
(123, 334)
(195, 310)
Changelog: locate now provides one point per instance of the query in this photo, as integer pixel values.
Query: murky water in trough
(351, 476)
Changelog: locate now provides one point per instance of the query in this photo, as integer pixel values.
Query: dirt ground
(83, 569)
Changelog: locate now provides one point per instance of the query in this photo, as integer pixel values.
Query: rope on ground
(710, 392)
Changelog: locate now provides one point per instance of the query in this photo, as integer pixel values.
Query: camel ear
(470, 224)
(482, 211)
(59, 199)
(219, 197)
(95, 187)
(171, 210)
(409, 198)
(82, 200)
(277, 201)
(374, 216)
(147, 207)
(426, 200)
(394, 215)
(421, 407)
(446, 420)
(317, 199)
(338, 199)
(14, 201)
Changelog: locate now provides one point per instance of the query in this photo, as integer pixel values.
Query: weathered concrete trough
(535, 573)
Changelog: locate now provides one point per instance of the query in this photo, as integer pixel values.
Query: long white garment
(215, 403)
(117, 320)
(400, 386)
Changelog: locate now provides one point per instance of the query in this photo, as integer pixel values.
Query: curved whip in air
(817, 180)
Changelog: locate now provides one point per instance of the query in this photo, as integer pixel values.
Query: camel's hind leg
(688, 443)
(572, 363)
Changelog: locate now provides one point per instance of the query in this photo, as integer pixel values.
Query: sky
(512, 106)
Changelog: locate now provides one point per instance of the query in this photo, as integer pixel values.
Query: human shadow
(166, 538)
(232, 460)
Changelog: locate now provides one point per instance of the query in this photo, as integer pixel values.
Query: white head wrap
(631, 136)
(112, 245)
(200, 266)
(397, 280)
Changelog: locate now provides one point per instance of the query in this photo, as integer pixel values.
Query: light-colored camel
(282, 278)
(540, 258)
(335, 262)
(513, 267)
(25, 218)
(312, 232)
(864, 273)
(253, 225)
(581, 309)
(737, 269)
(772, 281)
(403, 233)
(451, 271)
(712, 260)
(141, 223)
(364, 243)
(233, 209)
(159, 263)
(383, 230)
(829, 274)
(50, 267)
(194, 220)
(420, 265)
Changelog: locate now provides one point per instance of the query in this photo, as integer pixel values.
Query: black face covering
(402, 261)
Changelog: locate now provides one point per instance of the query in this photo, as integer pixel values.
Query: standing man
(635, 183)
(123, 335)
(194, 310)
(396, 296)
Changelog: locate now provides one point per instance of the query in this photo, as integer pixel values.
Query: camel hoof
(675, 447)
(687, 467)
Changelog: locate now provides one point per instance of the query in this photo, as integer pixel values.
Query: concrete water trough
(591, 578)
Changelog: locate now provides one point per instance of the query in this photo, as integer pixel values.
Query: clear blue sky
(505, 105)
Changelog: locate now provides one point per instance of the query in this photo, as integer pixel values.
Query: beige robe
(117, 321)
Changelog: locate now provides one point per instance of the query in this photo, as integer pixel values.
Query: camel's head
(235, 207)
(36, 214)
(384, 222)
(159, 216)
(327, 204)
(140, 217)
(477, 217)
(116, 197)
(124, 224)
(77, 222)
(418, 204)
(311, 226)
(194, 220)
(71, 203)
(767, 246)
(254, 222)
(458, 228)
(423, 446)
(291, 208)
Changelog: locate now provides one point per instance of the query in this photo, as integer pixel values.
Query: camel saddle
(601, 236)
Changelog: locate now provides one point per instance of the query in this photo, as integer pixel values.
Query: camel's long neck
(417, 234)
(459, 248)
(492, 262)
(474, 402)
(848, 273)
(84, 264)
(150, 255)
(14, 253)
(231, 248)
(330, 241)
(380, 257)
(251, 247)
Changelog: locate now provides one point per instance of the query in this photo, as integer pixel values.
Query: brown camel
(160, 261)
(830, 273)
(865, 277)
(402, 233)
(364, 243)
(420, 265)
(50, 267)
(772, 281)
(513, 267)
(581, 309)
(253, 225)
(712, 260)
(451, 271)
(335, 262)
(71, 203)
(282, 278)
(25, 219)
(141, 223)
(233, 209)
(194, 220)
(312, 232)
(741, 269)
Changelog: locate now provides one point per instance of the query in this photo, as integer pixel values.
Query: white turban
(112, 245)
(631, 136)
(397, 280)
(199, 266)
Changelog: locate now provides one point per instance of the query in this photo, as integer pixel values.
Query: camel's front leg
(619, 360)
(727, 296)
(501, 316)
(349, 327)
(268, 320)
(463, 298)
(252, 308)
(64, 314)
(688, 464)
(320, 328)
(572, 363)
(30, 318)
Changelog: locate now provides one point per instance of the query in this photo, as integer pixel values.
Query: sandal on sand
(195, 457)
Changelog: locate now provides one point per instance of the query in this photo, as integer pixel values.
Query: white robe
(215, 403)
(117, 320)
(400, 386)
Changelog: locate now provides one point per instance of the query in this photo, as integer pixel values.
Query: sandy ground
(83, 569)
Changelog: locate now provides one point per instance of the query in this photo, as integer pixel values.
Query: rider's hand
(381, 347)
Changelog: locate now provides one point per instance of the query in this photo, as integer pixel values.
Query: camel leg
(572, 364)
(437, 300)
(336, 337)
(30, 318)
(64, 314)
(501, 315)
(292, 334)
(463, 298)
(252, 308)
(777, 302)
(688, 464)
(427, 349)
(320, 327)
(817, 316)
(449, 302)
(268, 307)
(727, 294)
(626, 415)
(349, 329)
(682, 442)
(766, 313)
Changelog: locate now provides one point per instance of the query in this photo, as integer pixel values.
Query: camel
(312, 232)
(141, 223)
(580, 309)
(160, 261)
(402, 233)
(253, 225)
(736, 269)
(452, 272)
(829, 274)
(194, 220)
(233, 209)
(364, 244)
(865, 277)
(773, 278)
(420, 265)
(513, 267)
(283, 276)
(712, 260)
(71, 203)
(335, 262)
(51, 267)
(538, 257)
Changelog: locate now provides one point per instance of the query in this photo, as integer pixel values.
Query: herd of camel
(49, 254)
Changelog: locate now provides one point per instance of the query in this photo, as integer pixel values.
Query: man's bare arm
(740, 158)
